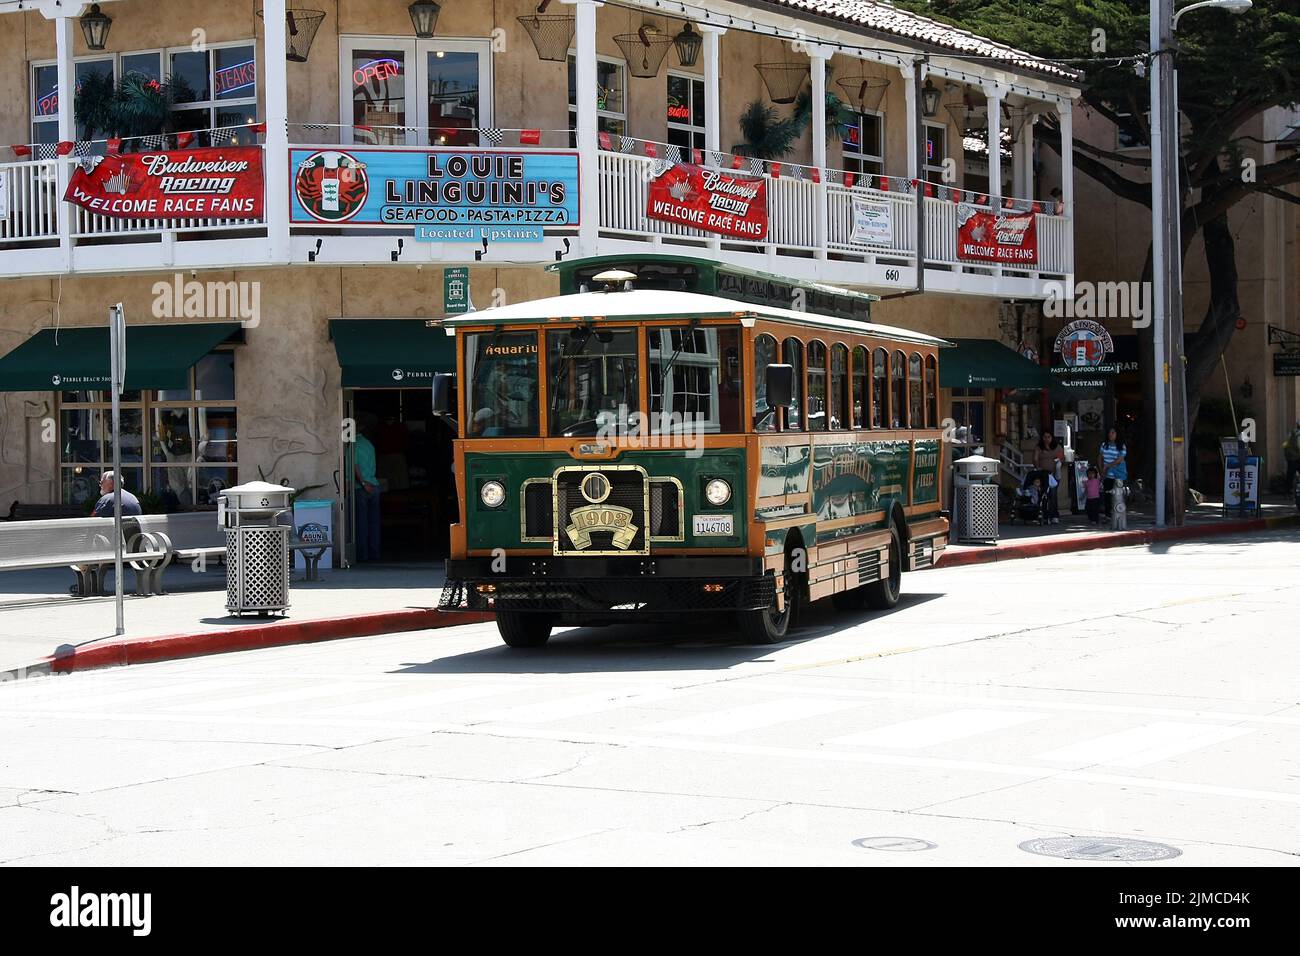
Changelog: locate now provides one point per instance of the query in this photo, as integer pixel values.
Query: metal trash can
(257, 547)
(975, 498)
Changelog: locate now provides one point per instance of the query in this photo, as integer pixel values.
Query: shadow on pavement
(698, 644)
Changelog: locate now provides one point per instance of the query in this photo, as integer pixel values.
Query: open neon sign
(378, 70)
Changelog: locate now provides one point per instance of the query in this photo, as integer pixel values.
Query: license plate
(705, 525)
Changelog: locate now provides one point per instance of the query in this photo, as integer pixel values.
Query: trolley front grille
(614, 525)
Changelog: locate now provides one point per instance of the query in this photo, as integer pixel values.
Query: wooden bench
(83, 544)
(23, 511)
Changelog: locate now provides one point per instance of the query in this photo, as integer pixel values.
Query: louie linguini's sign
(710, 200)
(182, 184)
(1002, 236)
(447, 195)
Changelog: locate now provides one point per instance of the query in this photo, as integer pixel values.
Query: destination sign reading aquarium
(447, 195)
(181, 184)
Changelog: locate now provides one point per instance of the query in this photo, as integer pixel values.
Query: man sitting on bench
(104, 506)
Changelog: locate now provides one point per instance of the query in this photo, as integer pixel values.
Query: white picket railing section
(29, 204)
(803, 217)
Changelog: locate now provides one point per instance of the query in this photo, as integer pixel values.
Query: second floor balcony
(840, 204)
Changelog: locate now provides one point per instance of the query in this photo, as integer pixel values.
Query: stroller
(1031, 504)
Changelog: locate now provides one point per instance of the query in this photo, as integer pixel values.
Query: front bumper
(612, 586)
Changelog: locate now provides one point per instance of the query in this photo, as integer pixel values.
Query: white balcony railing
(808, 221)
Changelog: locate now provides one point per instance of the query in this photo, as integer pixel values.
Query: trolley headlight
(717, 492)
(492, 494)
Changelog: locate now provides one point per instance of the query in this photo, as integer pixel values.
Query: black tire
(883, 594)
(766, 626)
(524, 630)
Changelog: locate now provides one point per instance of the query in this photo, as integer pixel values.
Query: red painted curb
(1114, 539)
(176, 646)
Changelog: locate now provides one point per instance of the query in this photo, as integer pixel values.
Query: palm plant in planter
(837, 114)
(137, 106)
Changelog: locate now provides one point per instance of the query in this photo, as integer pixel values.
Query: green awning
(985, 363)
(391, 353)
(157, 356)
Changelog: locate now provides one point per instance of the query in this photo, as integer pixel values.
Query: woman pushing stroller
(1048, 455)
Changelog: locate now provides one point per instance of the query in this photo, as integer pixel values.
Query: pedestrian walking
(1092, 496)
(367, 492)
(1291, 451)
(1048, 456)
(1114, 465)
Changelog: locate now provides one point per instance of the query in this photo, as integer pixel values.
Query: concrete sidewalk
(41, 625)
(42, 630)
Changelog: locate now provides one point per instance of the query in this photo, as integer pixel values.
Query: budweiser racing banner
(1004, 236)
(726, 203)
(183, 184)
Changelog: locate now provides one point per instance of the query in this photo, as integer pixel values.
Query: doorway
(413, 461)
(411, 92)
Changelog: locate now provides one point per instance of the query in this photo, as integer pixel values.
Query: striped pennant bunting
(603, 141)
(626, 144)
(651, 150)
(530, 137)
(493, 135)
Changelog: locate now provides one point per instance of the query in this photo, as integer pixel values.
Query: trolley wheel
(883, 594)
(524, 630)
(767, 625)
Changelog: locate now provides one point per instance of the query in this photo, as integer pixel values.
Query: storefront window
(860, 367)
(501, 400)
(968, 413)
(168, 437)
(764, 355)
(685, 111)
(611, 110)
(792, 352)
(862, 140)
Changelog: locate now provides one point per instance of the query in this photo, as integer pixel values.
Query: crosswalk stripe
(937, 729)
(448, 695)
(1140, 746)
(274, 697)
(719, 723)
(579, 706)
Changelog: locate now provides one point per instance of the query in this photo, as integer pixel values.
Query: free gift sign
(189, 184)
(726, 203)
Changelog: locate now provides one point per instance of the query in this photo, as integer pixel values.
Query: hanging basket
(644, 51)
(863, 92)
(968, 115)
(551, 35)
(300, 26)
(783, 80)
(1016, 117)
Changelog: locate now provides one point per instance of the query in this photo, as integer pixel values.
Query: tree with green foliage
(1232, 68)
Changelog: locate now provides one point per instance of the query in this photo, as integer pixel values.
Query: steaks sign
(1003, 236)
(710, 200)
(183, 184)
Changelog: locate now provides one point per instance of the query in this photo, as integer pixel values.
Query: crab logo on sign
(1084, 344)
(332, 185)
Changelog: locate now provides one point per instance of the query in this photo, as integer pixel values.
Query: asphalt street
(1138, 694)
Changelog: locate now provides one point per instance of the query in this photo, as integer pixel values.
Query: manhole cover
(1100, 848)
(895, 844)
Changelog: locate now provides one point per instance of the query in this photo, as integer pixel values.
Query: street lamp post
(1167, 251)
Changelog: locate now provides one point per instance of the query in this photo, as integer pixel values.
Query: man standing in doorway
(367, 492)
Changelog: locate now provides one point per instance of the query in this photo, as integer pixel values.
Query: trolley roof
(649, 304)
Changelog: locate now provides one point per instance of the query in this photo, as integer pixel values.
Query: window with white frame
(177, 445)
(862, 141)
(611, 97)
(685, 111)
(215, 87)
(936, 151)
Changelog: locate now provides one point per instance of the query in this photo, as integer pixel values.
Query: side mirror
(780, 386)
(442, 385)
